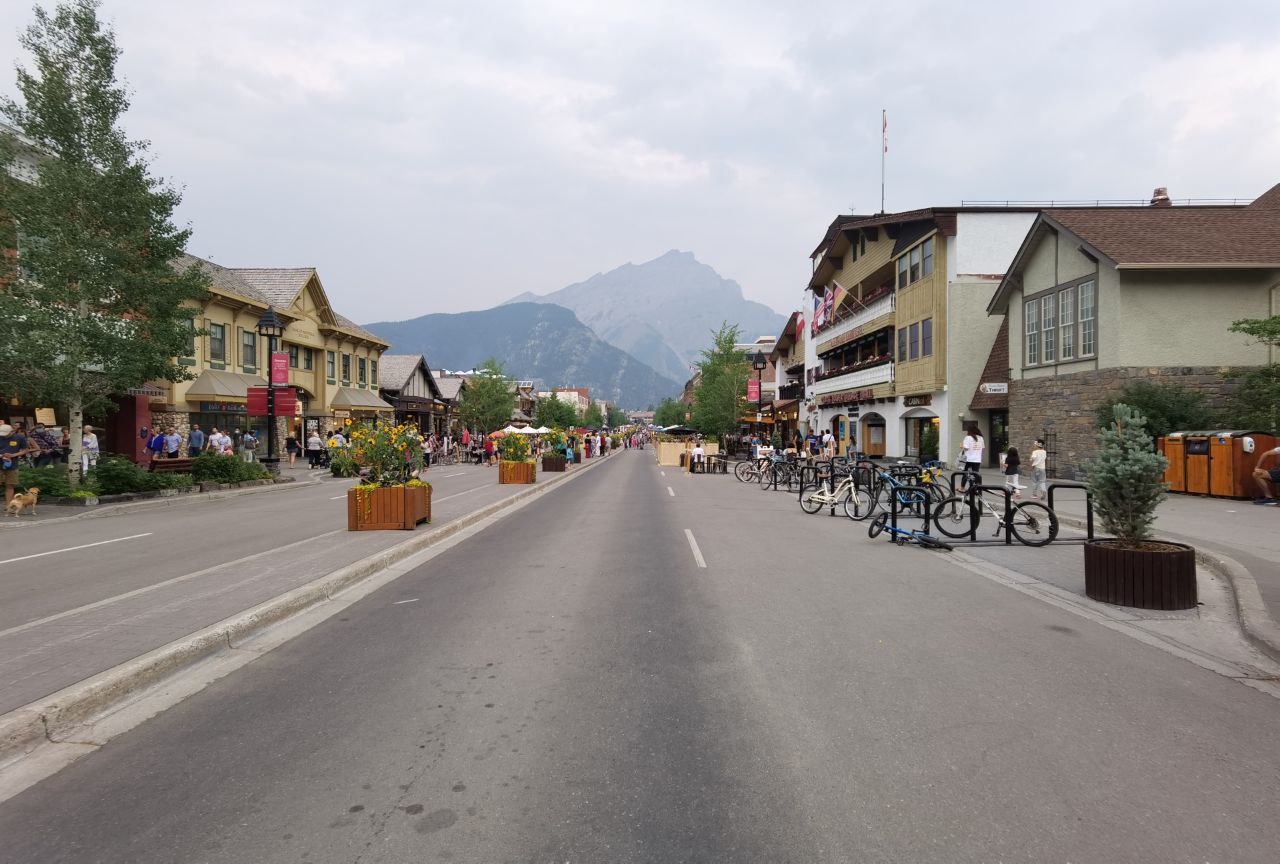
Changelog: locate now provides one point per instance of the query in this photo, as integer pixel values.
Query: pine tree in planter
(1126, 480)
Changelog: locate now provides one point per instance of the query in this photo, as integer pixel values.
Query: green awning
(218, 385)
(351, 398)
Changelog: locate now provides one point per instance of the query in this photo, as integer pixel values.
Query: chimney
(1160, 197)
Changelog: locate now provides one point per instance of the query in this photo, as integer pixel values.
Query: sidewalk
(1240, 530)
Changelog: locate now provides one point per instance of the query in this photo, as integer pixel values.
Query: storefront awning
(358, 400)
(219, 385)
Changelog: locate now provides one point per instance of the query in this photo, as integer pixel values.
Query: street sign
(279, 369)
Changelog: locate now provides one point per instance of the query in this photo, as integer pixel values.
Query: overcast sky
(439, 157)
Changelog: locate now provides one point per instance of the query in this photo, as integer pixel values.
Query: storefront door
(999, 436)
(873, 436)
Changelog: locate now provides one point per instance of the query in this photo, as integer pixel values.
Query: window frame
(1092, 320)
(346, 368)
(1067, 333)
(1049, 329)
(294, 355)
(902, 344)
(373, 372)
(362, 371)
(1081, 330)
(217, 337)
(331, 365)
(926, 337)
(1031, 332)
(913, 340)
(926, 267)
(248, 338)
(308, 359)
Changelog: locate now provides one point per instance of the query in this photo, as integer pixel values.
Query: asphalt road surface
(570, 685)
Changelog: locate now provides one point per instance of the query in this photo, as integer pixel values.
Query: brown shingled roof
(996, 371)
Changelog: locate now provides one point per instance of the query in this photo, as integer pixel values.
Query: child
(1038, 456)
(1009, 463)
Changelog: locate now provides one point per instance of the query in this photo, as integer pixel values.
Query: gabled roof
(1161, 238)
(395, 371)
(352, 327)
(996, 371)
(224, 279)
(450, 386)
(281, 284)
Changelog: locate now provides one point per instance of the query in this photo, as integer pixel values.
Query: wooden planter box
(1146, 579)
(385, 508)
(553, 463)
(517, 472)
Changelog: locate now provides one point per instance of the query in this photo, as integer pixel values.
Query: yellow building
(333, 363)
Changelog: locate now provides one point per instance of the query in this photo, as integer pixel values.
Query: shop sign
(917, 401)
(341, 413)
(994, 387)
(845, 397)
(46, 416)
(221, 408)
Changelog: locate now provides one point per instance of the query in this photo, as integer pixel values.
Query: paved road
(570, 685)
(80, 596)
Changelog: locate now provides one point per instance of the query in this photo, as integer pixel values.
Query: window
(926, 337)
(293, 356)
(928, 257)
(249, 349)
(308, 359)
(346, 368)
(1067, 324)
(1087, 337)
(191, 337)
(902, 272)
(1048, 315)
(915, 264)
(362, 366)
(330, 365)
(914, 340)
(218, 342)
(373, 372)
(1032, 329)
(902, 345)
(863, 243)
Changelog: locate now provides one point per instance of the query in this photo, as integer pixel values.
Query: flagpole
(884, 148)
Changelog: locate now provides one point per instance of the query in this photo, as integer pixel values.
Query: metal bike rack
(975, 514)
(897, 505)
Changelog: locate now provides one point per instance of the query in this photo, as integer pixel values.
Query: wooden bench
(181, 465)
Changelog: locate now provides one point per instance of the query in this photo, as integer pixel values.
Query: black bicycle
(903, 536)
(1030, 522)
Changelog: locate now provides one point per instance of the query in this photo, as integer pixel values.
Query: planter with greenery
(1126, 481)
(391, 496)
(515, 464)
(553, 458)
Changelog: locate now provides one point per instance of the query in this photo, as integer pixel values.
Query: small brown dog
(24, 501)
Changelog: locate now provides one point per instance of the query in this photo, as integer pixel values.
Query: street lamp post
(758, 363)
(270, 326)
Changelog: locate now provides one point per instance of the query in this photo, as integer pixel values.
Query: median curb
(1256, 623)
(53, 717)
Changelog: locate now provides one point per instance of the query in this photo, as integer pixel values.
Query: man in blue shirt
(172, 443)
(12, 446)
(195, 441)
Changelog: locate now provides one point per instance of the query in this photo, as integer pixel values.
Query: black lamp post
(270, 326)
(758, 363)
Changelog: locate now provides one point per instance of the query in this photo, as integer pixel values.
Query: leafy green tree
(1165, 407)
(669, 413)
(91, 304)
(487, 402)
(617, 417)
(1255, 404)
(1127, 476)
(555, 413)
(593, 418)
(721, 395)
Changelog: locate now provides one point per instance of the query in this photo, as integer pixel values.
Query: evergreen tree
(1127, 477)
(721, 395)
(593, 418)
(487, 402)
(91, 304)
(669, 413)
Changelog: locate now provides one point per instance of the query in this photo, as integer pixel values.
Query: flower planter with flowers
(553, 458)
(1126, 482)
(515, 463)
(391, 497)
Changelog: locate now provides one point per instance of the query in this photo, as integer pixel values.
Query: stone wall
(1067, 405)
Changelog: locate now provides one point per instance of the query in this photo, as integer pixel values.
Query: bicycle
(885, 486)
(782, 473)
(856, 500)
(902, 536)
(749, 470)
(1029, 522)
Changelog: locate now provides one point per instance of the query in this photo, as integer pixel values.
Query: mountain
(662, 312)
(541, 341)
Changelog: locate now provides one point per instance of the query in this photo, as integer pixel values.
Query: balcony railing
(850, 320)
(858, 375)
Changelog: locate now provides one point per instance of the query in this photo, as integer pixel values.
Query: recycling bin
(1232, 457)
(1174, 450)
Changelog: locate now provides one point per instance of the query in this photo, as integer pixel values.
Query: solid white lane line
(107, 601)
(697, 553)
(671, 492)
(74, 548)
(336, 497)
(402, 602)
(460, 494)
(459, 474)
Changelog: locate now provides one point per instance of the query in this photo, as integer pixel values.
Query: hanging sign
(994, 387)
(917, 401)
(753, 391)
(46, 416)
(279, 369)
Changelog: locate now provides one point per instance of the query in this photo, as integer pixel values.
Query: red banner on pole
(286, 402)
(279, 368)
(257, 402)
(753, 390)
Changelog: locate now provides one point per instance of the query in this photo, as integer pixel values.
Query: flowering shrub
(391, 453)
(513, 448)
(555, 440)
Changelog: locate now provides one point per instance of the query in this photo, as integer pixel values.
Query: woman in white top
(972, 448)
(1039, 484)
(89, 445)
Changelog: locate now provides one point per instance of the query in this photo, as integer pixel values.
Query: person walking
(248, 446)
(195, 441)
(315, 445)
(971, 451)
(13, 446)
(1009, 464)
(172, 443)
(488, 452)
(1039, 480)
(291, 447)
(155, 445)
(89, 448)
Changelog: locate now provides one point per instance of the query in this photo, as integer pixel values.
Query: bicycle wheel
(811, 499)
(954, 517)
(928, 541)
(859, 504)
(790, 479)
(743, 471)
(937, 493)
(1033, 524)
(877, 525)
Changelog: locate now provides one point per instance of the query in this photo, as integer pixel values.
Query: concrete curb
(1251, 610)
(53, 717)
